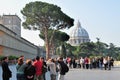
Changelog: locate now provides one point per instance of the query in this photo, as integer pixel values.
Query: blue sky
(101, 18)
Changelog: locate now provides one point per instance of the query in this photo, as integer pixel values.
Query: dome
(78, 35)
(78, 31)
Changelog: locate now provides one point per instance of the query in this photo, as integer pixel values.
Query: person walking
(6, 74)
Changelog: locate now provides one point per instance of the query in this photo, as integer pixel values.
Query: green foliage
(92, 49)
(40, 14)
(12, 57)
(63, 51)
(57, 35)
(58, 51)
(87, 47)
(82, 54)
(1, 57)
(63, 36)
(118, 57)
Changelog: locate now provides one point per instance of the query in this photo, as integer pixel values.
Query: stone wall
(11, 44)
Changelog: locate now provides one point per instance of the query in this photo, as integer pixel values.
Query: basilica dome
(78, 35)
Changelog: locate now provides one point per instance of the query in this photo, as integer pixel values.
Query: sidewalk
(94, 74)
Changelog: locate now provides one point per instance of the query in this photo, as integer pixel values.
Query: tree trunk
(47, 44)
(47, 51)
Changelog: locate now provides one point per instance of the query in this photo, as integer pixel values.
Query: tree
(113, 51)
(43, 16)
(70, 50)
(58, 40)
(87, 47)
(101, 47)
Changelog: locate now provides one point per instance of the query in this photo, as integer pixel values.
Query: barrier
(117, 63)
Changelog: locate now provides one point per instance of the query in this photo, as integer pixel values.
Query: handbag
(44, 69)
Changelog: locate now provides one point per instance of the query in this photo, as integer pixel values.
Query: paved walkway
(80, 74)
(94, 74)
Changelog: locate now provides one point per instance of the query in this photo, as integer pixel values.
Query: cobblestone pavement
(81, 74)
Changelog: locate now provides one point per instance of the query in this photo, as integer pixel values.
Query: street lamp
(98, 40)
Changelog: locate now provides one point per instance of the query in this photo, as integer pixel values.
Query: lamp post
(98, 41)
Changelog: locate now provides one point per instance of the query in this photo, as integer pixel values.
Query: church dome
(78, 35)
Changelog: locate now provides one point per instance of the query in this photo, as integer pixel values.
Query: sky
(100, 18)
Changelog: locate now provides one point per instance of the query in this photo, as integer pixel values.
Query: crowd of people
(91, 63)
(35, 69)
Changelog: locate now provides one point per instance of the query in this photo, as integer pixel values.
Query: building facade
(13, 22)
(11, 42)
(78, 35)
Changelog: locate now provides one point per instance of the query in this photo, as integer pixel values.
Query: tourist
(22, 57)
(81, 62)
(78, 62)
(6, 71)
(101, 63)
(109, 63)
(29, 70)
(63, 68)
(74, 62)
(69, 62)
(44, 67)
(112, 62)
(38, 67)
(105, 62)
(20, 66)
(86, 63)
(90, 63)
(52, 68)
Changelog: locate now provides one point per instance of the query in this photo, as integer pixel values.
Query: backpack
(65, 68)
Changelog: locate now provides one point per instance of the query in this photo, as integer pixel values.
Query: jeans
(61, 77)
(53, 77)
